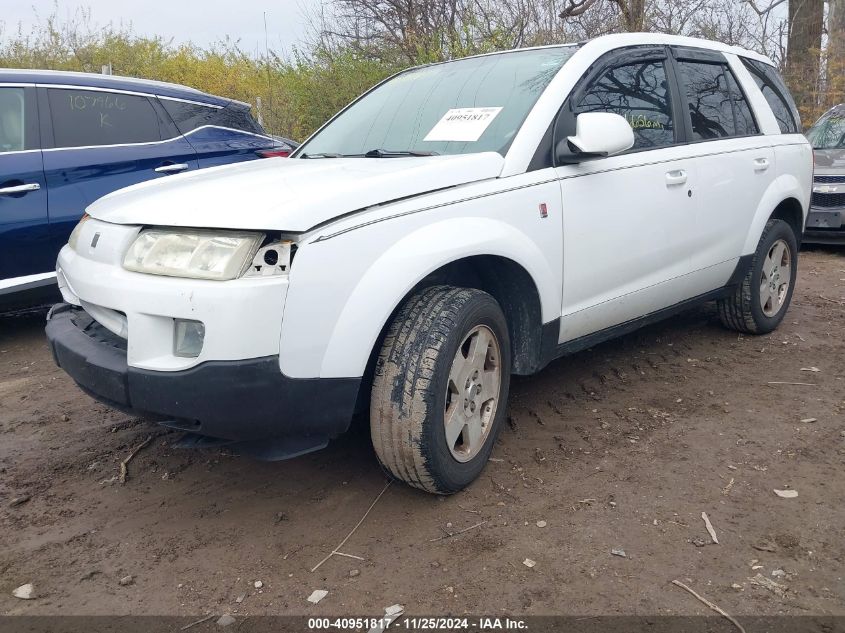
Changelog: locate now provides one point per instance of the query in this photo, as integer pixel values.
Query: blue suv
(67, 139)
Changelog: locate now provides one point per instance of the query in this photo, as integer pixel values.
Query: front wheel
(759, 303)
(440, 388)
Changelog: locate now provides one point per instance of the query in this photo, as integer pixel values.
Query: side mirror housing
(597, 135)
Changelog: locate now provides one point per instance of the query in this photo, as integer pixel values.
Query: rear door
(100, 141)
(25, 250)
(735, 162)
(219, 134)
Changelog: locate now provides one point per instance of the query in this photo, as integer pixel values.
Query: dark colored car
(67, 139)
(826, 221)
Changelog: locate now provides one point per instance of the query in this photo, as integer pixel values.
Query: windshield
(470, 105)
(829, 131)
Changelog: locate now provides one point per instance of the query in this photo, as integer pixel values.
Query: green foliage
(309, 90)
(296, 95)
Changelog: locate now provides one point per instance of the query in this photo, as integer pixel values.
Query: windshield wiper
(387, 153)
(373, 153)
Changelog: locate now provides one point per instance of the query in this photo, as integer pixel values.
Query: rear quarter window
(777, 95)
(238, 118)
(188, 116)
(91, 117)
(191, 116)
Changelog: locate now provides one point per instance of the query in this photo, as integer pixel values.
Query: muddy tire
(761, 300)
(440, 388)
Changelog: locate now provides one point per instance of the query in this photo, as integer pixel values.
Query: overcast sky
(200, 21)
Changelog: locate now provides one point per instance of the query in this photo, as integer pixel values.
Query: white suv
(459, 223)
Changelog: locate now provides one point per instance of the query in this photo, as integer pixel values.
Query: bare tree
(412, 31)
(806, 23)
(575, 8)
(633, 13)
(835, 54)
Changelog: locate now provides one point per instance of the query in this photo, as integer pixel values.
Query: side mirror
(597, 134)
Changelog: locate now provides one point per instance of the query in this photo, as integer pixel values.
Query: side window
(13, 120)
(92, 117)
(189, 116)
(640, 93)
(776, 94)
(238, 118)
(717, 107)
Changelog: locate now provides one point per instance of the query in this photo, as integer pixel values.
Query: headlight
(74, 235)
(198, 254)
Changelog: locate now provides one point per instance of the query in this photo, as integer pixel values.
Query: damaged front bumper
(250, 402)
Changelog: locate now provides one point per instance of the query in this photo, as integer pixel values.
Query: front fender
(375, 272)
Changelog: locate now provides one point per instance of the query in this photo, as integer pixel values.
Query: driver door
(628, 219)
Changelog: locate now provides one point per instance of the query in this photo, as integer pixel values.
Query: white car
(459, 223)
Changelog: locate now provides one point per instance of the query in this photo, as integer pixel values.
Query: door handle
(676, 177)
(172, 168)
(33, 186)
(761, 164)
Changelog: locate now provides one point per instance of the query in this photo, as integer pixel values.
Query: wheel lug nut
(478, 389)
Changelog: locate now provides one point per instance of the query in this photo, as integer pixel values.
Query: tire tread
(736, 310)
(404, 371)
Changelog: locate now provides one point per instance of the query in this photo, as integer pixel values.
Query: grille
(829, 179)
(828, 200)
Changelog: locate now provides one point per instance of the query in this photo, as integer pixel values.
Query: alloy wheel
(776, 277)
(473, 393)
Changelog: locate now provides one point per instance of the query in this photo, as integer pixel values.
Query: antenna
(267, 64)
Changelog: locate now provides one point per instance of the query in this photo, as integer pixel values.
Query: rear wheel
(761, 300)
(440, 388)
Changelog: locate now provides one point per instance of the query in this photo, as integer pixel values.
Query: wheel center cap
(471, 393)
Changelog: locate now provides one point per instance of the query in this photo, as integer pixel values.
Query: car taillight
(273, 153)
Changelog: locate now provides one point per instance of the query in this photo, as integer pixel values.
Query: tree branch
(575, 8)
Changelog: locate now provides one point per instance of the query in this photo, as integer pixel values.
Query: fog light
(188, 338)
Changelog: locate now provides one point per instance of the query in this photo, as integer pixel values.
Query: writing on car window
(639, 93)
(91, 117)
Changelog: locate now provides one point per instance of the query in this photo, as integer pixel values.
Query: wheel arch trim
(782, 190)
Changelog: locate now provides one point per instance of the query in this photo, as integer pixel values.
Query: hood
(287, 194)
(829, 161)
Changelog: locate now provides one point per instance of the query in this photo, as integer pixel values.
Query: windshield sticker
(462, 124)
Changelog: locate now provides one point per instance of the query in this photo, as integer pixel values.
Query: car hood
(287, 194)
(829, 161)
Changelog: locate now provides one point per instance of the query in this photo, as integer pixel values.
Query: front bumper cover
(238, 400)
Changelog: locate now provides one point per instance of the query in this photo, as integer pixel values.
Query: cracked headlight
(194, 253)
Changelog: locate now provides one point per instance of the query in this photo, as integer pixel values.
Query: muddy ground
(619, 447)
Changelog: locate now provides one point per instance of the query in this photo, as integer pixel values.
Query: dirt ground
(622, 446)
